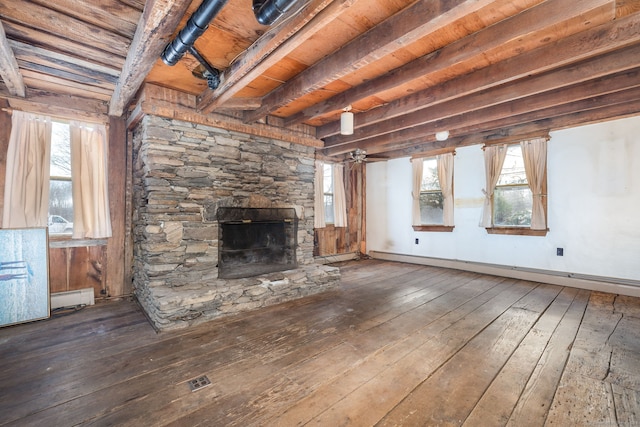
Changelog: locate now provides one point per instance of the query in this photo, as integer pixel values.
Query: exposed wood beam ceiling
(407, 26)
(484, 70)
(9, 67)
(159, 20)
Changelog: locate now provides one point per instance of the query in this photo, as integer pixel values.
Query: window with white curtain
(516, 187)
(330, 199)
(328, 187)
(432, 193)
(57, 176)
(431, 198)
(512, 198)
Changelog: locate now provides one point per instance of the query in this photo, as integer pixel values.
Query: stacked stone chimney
(183, 173)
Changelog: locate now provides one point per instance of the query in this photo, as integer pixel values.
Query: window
(38, 145)
(516, 186)
(432, 193)
(60, 193)
(431, 198)
(328, 185)
(512, 198)
(329, 196)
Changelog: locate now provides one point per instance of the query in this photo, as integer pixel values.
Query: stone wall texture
(182, 172)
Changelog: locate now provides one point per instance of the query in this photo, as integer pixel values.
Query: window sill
(434, 228)
(516, 231)
(65, 241)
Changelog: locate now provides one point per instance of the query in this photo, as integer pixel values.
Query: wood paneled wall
(79, 265)
(341, 240)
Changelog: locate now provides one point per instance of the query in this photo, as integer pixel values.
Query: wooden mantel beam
(411, 24)
(158, 22)
(173, 104)
(9, 70)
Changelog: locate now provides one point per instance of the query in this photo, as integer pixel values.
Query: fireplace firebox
(255, 241)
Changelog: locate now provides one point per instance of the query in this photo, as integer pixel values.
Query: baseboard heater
(594, 283)
(72, 298)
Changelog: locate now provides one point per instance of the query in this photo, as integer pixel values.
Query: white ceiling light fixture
(346, 121)
(442, 135)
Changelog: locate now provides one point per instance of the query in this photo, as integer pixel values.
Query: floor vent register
(199, 383)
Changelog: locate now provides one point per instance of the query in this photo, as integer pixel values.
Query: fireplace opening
(254, 241)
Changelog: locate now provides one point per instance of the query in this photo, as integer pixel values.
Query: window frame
(432, 227)
(331, 194)
(519, 230)
(65, 235)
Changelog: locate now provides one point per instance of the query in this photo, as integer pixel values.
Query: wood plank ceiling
(482, 69)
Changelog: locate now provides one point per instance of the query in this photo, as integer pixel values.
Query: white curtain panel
(494, 156)
(339, 197)
(445, 177)
(318, 205)
(89, 181)
(416, 167)
(26, 194)
(534, 153)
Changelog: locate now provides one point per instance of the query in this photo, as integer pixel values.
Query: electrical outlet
(417, 240)
(560, 251)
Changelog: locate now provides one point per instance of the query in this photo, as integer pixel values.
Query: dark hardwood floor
(398, 344)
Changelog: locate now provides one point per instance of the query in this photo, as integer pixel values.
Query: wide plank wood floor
(398, 344)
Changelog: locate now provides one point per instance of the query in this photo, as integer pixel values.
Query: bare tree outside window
(60, 194)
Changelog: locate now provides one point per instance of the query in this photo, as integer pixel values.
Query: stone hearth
(183, 173)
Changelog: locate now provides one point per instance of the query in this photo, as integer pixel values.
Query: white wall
(593, 207)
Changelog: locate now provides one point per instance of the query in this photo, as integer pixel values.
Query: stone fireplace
(223, 222)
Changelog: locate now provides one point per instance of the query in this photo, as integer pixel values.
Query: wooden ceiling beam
(614, 62)
(9, 70)
(158, 22)
(53, 22)
(62, 65)
(33, 37)
(58, 105)
(529, 22)
(425, 134)
(595, 41)
(535, 107)
(514, 133)
(47, 82)
(591, 103)
(111, 15)
(241, 104)
(273, 46)
(405, 27)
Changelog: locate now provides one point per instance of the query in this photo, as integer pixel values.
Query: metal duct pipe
(268, 11)
(196, 25)
(211, 74)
